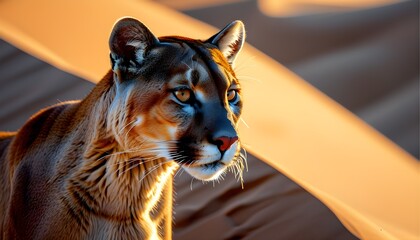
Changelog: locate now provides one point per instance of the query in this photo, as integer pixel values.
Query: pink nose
(224, 143)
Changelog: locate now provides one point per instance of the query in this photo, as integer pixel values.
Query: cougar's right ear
(129, 43)
(230, 40)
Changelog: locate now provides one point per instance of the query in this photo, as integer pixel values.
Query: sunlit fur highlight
(112, 143)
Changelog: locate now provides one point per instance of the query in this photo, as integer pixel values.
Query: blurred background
(363, 54)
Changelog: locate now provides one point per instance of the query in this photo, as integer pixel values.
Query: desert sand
(316, 170)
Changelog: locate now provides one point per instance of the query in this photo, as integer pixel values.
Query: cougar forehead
(190, 61)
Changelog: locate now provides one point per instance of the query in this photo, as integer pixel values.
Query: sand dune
(367, 182)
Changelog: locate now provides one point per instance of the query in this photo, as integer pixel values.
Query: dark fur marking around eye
(212, 59)
(195, 76)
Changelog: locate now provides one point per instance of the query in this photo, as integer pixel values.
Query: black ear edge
(130, 41)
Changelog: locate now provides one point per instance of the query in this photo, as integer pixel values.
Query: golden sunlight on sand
(286, 8)
(193, 4)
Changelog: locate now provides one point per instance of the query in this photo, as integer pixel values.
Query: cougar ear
(129, 43)
(230, 40)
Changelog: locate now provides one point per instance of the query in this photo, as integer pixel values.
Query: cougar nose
(224, 142)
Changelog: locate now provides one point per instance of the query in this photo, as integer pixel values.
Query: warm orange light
(369, 183)
(285, 8)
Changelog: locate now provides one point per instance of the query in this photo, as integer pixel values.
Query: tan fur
(102, 168)
(100, 180)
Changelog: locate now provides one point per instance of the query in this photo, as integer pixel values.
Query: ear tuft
(129, 43)
(230, 40)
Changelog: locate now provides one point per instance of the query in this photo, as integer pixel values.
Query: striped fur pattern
(102, 167)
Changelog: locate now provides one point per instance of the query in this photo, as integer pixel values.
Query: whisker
(245, 158)
(140, 160)
(129, 162)
(131, 128)
(144, 151)
(245, 63)
(152, 170)
(191, 184)
(180, 170)
(243, 121)
(120, 131)
(113, 154)
(130, 168)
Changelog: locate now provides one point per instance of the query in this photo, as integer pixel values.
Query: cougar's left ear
(230, 40)
(129, 43)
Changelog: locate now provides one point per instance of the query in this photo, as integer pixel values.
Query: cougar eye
(183, 95)
(231, 95)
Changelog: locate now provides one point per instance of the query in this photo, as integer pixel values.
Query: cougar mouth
(205, 163)
(207, 171)
(212, 164)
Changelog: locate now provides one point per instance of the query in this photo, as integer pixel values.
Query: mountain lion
(102, 167)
